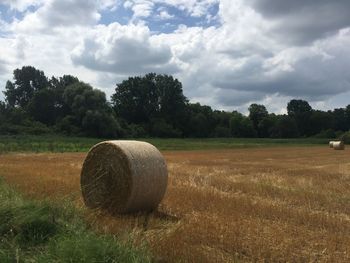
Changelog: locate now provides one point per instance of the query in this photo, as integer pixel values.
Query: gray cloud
(303, 21)
(237, 97)
(20, 46)
(312, 78)
(67, 13)
(316, 73)
(4, 76)
(3, 68)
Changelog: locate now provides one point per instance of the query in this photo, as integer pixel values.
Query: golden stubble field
(268, 204)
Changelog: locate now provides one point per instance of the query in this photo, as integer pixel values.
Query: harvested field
(264, 204)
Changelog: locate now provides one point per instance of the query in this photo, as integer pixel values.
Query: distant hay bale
(124, 177)
(331, 144)
(340, 145)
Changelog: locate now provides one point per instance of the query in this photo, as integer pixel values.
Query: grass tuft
(33, 231)
(89, 247)
(36, 232)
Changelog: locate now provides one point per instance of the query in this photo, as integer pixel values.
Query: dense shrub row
(148, 106)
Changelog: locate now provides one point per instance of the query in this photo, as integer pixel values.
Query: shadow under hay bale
(124, 177)
(165, 216)
(146, 220)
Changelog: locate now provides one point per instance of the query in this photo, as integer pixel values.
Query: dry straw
(340, 145)
(124, 177)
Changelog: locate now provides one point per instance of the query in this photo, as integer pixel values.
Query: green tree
(256, 114)
(160, 128)
(42, 106)
(2, 112)
(58, 86)
(340, 119)
(320, 121)
(200, 122)
(300, 111)
(47, 105)
(221, 118)
(199, 126)
(27, 81)
(266, 125)
(140, 99)
(90, 113)
(222, 132)
(221, 122)
(241, 126)
(10, 94)
(347, 116)
(285, 127)
(171, 101)
(298, 107)
(100, 123)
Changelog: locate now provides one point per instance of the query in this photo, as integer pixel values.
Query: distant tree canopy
(155, 102)
(151, 105)
(65, 104)
(27, 81)
(88, 112)
(256, 114)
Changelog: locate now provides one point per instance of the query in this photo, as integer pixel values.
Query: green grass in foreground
(33, 231)
(79, 144)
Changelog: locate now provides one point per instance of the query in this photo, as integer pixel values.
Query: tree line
(147, 106)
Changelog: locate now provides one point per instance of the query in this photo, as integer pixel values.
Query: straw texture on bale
(339, 145)
(124, 177)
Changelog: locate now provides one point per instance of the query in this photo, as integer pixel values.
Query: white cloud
(251, 56)
(193, 7)
(59, 14)
(141, 8)
(164, 15)
(241, 62)
(145, 8)
(21, 5)
(108, 4)
(122, 49)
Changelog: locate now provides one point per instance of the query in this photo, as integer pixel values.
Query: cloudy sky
(227, 53)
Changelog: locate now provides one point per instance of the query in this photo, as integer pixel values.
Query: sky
(227, 53)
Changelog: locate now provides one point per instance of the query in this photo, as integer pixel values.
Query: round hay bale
(124, 177)
(339, 145)
(331, 144)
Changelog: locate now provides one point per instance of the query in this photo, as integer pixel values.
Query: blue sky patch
(159, 24)
(9, 15)
(120, 15)
(180, 17)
